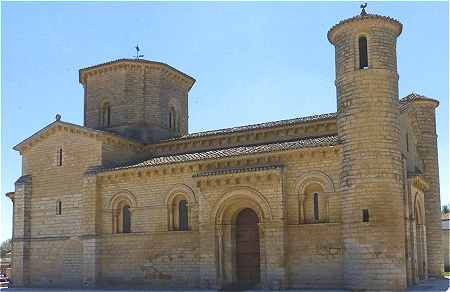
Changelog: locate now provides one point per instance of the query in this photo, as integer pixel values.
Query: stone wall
(150, 260)
(315, 256)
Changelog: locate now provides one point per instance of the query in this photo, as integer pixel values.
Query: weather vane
(363, 7)
(137, 52)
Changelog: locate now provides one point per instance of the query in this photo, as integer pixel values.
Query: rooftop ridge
(265, 125)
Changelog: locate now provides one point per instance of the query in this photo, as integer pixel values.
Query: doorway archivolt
(226, 218)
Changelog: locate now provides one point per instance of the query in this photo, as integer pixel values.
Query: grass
(446, 274)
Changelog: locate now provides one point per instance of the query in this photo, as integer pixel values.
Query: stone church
(348, 199)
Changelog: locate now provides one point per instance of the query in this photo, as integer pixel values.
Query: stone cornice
(227, 171)
(59, 125)
(136, 64)
(237, 176)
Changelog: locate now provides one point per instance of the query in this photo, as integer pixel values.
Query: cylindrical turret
(373, 227)
(427, 148)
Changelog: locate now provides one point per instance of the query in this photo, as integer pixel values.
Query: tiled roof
(230, 152)
(23, 178)
(62, 123)
(321, 117)
(142, 61)
(414, 97)
(237, 170)
(363, 17)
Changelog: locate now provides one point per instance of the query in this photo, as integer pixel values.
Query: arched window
(183, 216)
(179, 213)
(106, 115)
(316, 207)
(122, 206)
(126, 220)
(363, 57)
(173, 119)
(314, 204)
(122, 218)
(58, 207)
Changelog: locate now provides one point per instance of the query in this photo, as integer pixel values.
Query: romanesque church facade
(347, 199)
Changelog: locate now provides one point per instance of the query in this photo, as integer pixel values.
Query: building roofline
(416, 98)
(310, 142)
(40, 132)
(362, 17)
(259, 126)
(135, 61)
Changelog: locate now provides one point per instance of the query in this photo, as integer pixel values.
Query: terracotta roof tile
(230, 152)
(412, 97)
(360, 17)
(266, 125)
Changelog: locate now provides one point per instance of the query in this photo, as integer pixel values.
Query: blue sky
(253, 61)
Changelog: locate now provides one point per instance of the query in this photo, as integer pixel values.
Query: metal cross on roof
(137, 52)
(363, 7)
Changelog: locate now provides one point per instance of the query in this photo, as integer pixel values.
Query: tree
(5, 247)
(445, 209)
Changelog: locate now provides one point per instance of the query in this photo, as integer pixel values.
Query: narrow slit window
(316, 207)
(59, 157)
(365, 214)
(407, 142)
(58, 208)
(363, 57)
(106, 115)
(183, 215)
(173, 119)
(126, 220)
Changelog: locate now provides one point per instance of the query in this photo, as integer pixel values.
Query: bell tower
(373, 227)
(136, 98)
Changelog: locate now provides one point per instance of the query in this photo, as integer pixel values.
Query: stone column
(208, 257)
(22, 231)
(273, 261)
(301, 209)
(90, 221)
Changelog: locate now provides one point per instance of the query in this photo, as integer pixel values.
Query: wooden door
(247, 249)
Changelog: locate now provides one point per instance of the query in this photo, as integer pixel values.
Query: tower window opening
(183, 215)
(363, 57)
(173, 119)
(407, 142)
(126, 220)
(316, 207)
(106, 115)
(59, 157)
(365, 214)
(58, 207)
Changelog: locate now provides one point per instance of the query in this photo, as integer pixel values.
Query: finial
(363, 7)
(58, 117)
(137, 53)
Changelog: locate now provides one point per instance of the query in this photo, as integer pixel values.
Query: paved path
(436, 285)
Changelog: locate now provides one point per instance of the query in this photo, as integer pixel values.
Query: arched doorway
(247, 249)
